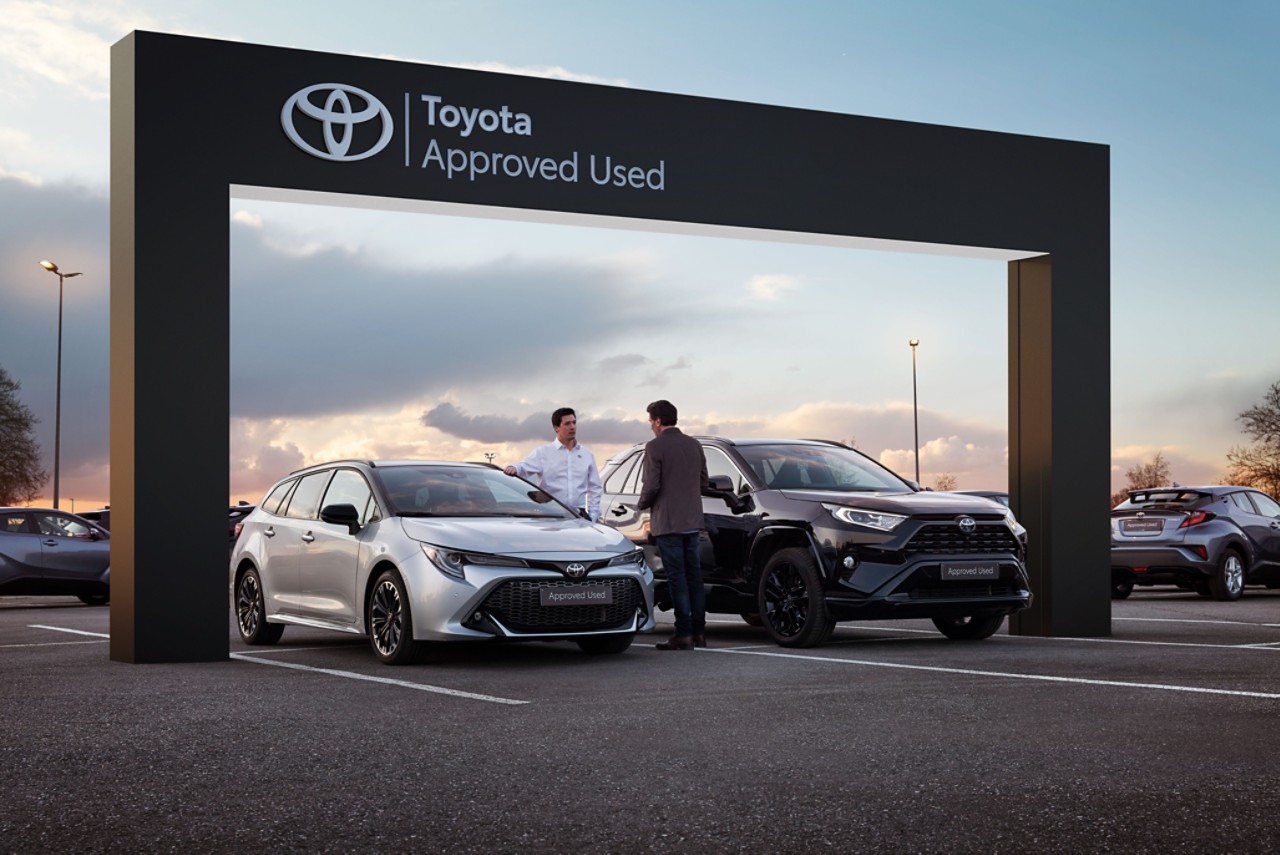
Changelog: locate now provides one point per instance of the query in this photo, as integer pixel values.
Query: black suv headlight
(870, 519)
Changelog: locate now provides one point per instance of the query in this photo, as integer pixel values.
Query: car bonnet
(515, 535)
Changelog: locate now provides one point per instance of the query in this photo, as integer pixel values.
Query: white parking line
(72, 631)
(1271, 696)
(421, 687)
(405, 684)
(51, 644)
(1192, 620)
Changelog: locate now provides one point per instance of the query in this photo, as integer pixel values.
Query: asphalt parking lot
(1160, 738)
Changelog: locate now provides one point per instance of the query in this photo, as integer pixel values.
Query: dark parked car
(1214, 540)
(101, 516)
(47, 552)
(804, 533)
(994, 495)
(235, 520)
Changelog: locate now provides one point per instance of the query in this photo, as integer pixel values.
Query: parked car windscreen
(1164, 499)
(464, 491)
(817, 467)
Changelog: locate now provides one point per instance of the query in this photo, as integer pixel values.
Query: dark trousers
(684, 582)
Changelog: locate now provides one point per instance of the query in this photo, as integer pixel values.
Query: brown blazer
(675, 473)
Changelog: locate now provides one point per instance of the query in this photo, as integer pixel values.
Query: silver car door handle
(308, 537)
(271, 532)
(53, 541)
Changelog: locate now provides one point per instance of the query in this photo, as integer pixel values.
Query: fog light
(850, 562)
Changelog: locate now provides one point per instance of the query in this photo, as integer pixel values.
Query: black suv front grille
(947, 539)
(517, 605)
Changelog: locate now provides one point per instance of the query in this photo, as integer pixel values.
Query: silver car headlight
(870, 519)
(448, 563)
(451, 562)
(635, 556)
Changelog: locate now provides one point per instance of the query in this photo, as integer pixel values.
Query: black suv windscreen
(464, 491)
(817, 467)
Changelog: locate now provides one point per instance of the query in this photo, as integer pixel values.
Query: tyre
(1121, 590)
(389, 621)
(1227, 582)
(972, 628)
(792, 607)
(752, 618)
(597, 645)
(95, 599)
(251, 612)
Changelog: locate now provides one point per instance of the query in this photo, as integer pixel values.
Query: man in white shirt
(564, 468)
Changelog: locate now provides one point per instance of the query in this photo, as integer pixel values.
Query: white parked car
(408, 552)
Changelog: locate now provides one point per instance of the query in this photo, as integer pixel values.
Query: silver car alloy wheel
(1233, 574)
(386, 618)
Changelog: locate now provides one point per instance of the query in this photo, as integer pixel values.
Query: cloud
(454, 421)
(663, 377)
(67, 44)
(336, 330)
(770, 286)
(622, 362)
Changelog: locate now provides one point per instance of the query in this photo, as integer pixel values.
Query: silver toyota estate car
(411, 551)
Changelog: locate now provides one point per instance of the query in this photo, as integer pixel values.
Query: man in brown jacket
(675, 474)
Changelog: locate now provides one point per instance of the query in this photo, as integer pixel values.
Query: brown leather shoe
(676, 642)
(699, 641)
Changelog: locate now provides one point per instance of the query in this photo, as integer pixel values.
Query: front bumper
(506, 603)
(918, 590)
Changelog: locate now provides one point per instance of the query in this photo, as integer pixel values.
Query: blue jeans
(684, 582)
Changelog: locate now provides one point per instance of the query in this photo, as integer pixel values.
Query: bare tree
(945, 481)
(1143, 475)
(1259, 464)
(20, 474)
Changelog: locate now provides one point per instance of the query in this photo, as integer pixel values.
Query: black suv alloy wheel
(791, 603)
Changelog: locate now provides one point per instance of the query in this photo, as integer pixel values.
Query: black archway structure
(194, 121)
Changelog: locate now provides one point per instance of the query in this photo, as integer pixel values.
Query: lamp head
(50, 266)
(913, 342)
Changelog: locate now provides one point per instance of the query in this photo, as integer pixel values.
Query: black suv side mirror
(721, 487)
(342, 514)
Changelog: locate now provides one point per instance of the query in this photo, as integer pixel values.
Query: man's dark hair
(664, 412)
(558, 415)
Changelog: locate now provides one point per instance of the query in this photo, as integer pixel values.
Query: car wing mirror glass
(342, 514)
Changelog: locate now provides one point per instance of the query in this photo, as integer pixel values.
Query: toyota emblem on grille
(575, 570)
(967, 525)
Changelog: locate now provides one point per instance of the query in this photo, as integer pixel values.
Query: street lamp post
(915, 405)
(57, 410)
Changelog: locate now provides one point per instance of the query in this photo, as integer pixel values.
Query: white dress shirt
(569, 474)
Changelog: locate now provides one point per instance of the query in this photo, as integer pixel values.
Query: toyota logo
(575, 570)
(967, 525)
(338, 119)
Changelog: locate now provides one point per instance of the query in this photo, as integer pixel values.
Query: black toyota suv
(802, 534)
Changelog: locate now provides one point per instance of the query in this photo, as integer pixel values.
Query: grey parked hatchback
(412, 551)
(1214, 540)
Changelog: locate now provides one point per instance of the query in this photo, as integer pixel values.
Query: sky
(485, 326)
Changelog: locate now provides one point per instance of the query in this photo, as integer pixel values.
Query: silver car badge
(575, 570)
(967, 525)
